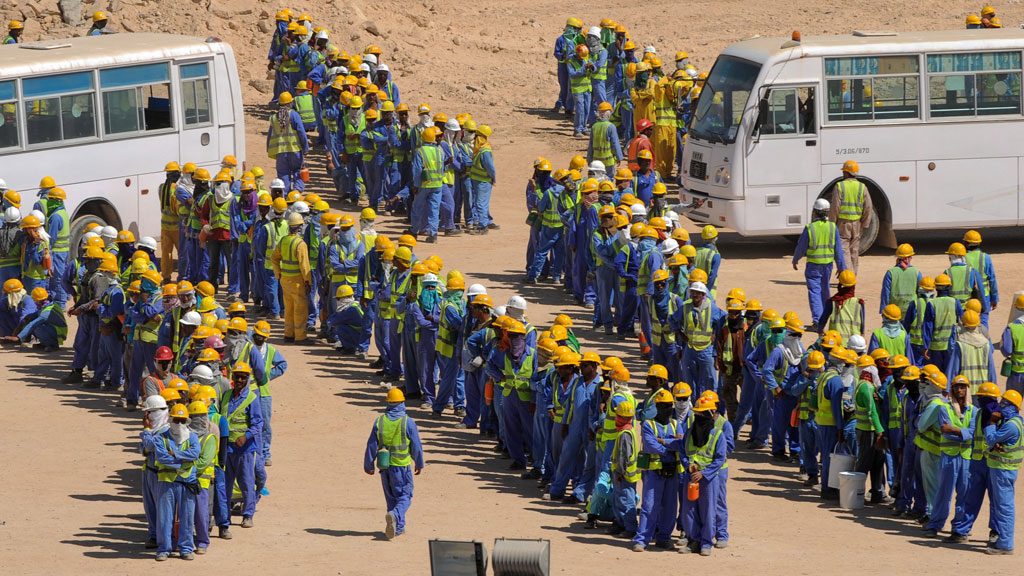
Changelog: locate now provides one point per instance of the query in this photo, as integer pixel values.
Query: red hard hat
(643, 124)
(214, 342)
(164, 353)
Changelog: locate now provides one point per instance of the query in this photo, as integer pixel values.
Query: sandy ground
(72, 502)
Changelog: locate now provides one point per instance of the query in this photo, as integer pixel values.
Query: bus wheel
(78, 230)
(870, 234)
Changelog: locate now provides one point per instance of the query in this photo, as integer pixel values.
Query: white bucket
(851, 489)
(838, 464)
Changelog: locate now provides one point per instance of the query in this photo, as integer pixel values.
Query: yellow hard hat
(663, 275)
(956, 249)
(30, 221)
(591, 357)
(898, 361)
(13, 285)
(171, 395)
(973, 19)
(911, 373)
(754, 305)
(926, 283)
(285, 98)
(658, 371)
(708, 232)
(943, 280)
(936, 377)
(483, 300)
(205, 288)
(973, 304)
(865, 361)
(201, 175)
(698, 275)
(189, 168)
(1013, 397)
(626, 409)
(851, 166)
(99, 16)
(198, 407)
(904, 251)
(367, 214)
(16, 25)
(569, 358)
(280, 204)
(972, 237)
(970, 319)
(56, 193)
(815, 360)
(660, 190)
(662, 396)
(681, 390)
(892, 312)
(657, 223)
(705, 403)
(395, 395)
(241, 368)
(344, 291)
(847, 278)
(988, 11)
(988, 389)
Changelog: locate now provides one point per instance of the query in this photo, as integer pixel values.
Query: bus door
(784, 147)
(199, 135)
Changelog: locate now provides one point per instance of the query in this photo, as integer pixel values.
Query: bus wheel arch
(880, 230)
(95, 210)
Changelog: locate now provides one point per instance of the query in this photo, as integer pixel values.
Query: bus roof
(62, 54)
(863, 42)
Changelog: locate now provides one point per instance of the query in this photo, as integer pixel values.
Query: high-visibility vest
(622, 279)
(974, 363)
(238, 420)
(644, 273)
(902, 286)
(476, 170)
(398, 290)
(519, 380)
(894, 346)
(369, 150)
(148, 331)
(667, 431)
(823, 415)
(63, 242)
(276, 231)
(845, 318)
(304, 106)
(804, 403)
(929, 439)
(400, 154)
(660, 330)
(851, 199)
(352, 145)
(556, 398)
(195, 220)
(551, 218)
(206, 475)
(13, 258)
(268, 365)
(168, 474)
(600, 74)
(1009, 457)
(702, 456)
(960, 277)
(976, 260)
(447, 335)
(290, 246)
(449, 170)
(282, 140)
(951, 447)
(863, 413)
(894, 402)
(391, 434)
(705, 258)
(945, 320)
(61, 323)
(432, 160)
(580, 84)
(699, 334)
(664, 109)
(608, 433)
(631, 474)
(821, 245)
(917, 326)
(220, 215)
(1017, 356)
(29, 267)
(168, 207)
(351, 275)
(600, 142)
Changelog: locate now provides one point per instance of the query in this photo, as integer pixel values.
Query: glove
(207, 229)
(477, 362)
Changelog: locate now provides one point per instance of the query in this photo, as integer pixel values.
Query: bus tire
(78, 229)
(95, 210)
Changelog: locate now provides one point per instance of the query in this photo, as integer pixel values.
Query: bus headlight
(722, 176)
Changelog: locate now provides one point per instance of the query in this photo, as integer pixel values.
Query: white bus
(933, 118)
(102, 115)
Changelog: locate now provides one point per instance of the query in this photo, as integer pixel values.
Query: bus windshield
(723, 98)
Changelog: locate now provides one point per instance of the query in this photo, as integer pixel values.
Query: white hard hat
(669, 247)
(202, 373)
(638, 209)
(594, 31)
(38, 214)
(370, 58)
(383, 68)
(499, 310)
(856, 342)
(191, 318)
(12, 215)
(452, 124)
(85, 237)
(322, 35)
(597, 167)
(3, 185)
(364, 67)
(516, 302)
(650, 50)
(476, 290)
(429, 278)
(698, 287)
(277, 183)
(148, 242)
(821, 205)
(108, 232)
(300, 207)
(154, 402)
(338, 71)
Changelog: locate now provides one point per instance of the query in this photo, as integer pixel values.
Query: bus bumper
(718, 211)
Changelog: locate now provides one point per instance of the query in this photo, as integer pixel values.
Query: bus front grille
(698, 170)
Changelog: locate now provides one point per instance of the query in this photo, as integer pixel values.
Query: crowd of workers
(987, 19)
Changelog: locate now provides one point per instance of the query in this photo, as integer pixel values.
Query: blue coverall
(396, 480)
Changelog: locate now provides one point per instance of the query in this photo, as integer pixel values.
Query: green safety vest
(894, 346)
(353, 146)
(304, 106)
(705, 257)
(519, 380)
(290, 246)
(960, 276)
(699, 333)
(945, 319)
(391, 434)
(631, 474)
(276, 230)
(664, 111)
(863, 413)
(600, 74)
(29, 267)
(371, 149)
(581, 84)
(1009, 457)
(845, 318)
(644, 274)
(168, 207)
(851, 199)
(556, 399)
(608, 433)
(661, 331)
(653, 461)
(1017, 357)
(432, 160)
(447, 335)
(63, 243)
(803, 405)
(895, 407)
(622, 279)
(601, 144)
(821, 246)
(550, 218)
(929, 439)
(62, 326)
(220, 215)
(398, 291)
(349, 276)
(917, 326)
(282, 140)
(823, 415)
(268, 364)
(195, 222)
(902, 286)
(960, 448)
(702, 456)
(148, 331)
(238, 421)
(476, 170)
(206, 475)
(168, 474)
(974, 364)
(13, 257)
(976, 260)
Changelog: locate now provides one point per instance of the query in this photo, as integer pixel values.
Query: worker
(423, 315)
(641, 142)
(604, 140)
(551, 229)
(829, 414)
(956, 423)
(986, 401)
(208, 435)
(274, 367)
(514, 368)
(929, 434)
(729, 360)
(10, 243)
(451, 383)
(664, 127)
(15, 307)
(175, 450)
(89, 286)
(36, 261)
(597, 68)
(778, 362)
(145, 317)
(243, 217)
(58, 228)
(973, 22)
(312, 237)
(913, 319)
(291, 268)
(851, 210)
(46, 324)
(155, 420)
(572, 427)
(972, 354)
(844, 310)
(698, 320)
(869, 431)
(99, 24)
(155, 382)
(982, 263)
(892, 336)
(565, 47)
(216, 213)
(601, 263)
(650, 262)
(482, 180)
(14, 31)
(427, 179)
(265, 241)
(169, 224)
(663, 447)
(805, 388)
(900, 282)
(1005, 441)
(287, 143)
(303, 103)
(581, 70)
(821, 244)
(346, 320)
(910, 501)
(661, 305)
(893, 391)
(627, 268)
(642, 95)
(708, 258)
(1012, 346)
(645, 179)
(394, 447)
(988, 16)
(966, 280)
(708, 443)
(241, 407)
(940, 322)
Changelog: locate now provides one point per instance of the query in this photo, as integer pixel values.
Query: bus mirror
(762, 110)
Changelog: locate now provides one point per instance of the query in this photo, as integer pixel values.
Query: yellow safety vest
(631, 474)
(821, 246)
(823, 415)
(476, 170)
(220, 215)
(238, 420)
(282, 140)
(391, 434)
(945, 319)
(851, 199)
(290, 246)
(845, 318)
(699, 333)
(168, 474)
(432, 160)
(661, 331)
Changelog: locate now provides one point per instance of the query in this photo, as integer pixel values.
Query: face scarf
(594, 44)
(735, 323)
(347, 238)
(179, 431)
(517, 346)
(701, 429)
(645, 245)
(8, 234)
(14, 299)
(457, 300)
(776, 338)
(660, 300)
(395, 410)
(682, 409)
(199, 424)
(424, 120)
(428, 299)
(664, 412)
(344, 303)
(235, 344)
(844, 293)
(892, 328)
(792, 349)
(158, 420)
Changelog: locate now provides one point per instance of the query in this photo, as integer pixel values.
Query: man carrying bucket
(394, 447)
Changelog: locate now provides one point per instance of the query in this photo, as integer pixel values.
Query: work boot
(811, 481)
(162, 557)
(721, 544)
(200, 550)
(151, 544)
(91, 385)
(997, 551)
(665, 545)
(955, 538)
(432, 239)
(516, 466)
(224, 533)
(453, 232)
(493, 226)
(389, 527)
(188, 556)
(460, 412)
(705, 551)
(992, 537)
(881, 498)
(931, 533)
(267, 462)
(530, 475)
(616, 529)
(638, 547)
(247, 522)
(73, 377)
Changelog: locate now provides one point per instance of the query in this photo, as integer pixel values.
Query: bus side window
(808, 124)
(790, 111)
(8, 115)
(195, 91)
(52, 114)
